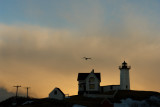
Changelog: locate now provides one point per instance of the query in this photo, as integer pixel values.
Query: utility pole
(17, 89)
(27, 90)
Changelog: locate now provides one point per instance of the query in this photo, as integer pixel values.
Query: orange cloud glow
(44, 58)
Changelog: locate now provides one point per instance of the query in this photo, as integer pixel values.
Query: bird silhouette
(86, 58)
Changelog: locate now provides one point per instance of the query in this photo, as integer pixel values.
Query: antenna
(17, 89)
(27, 90)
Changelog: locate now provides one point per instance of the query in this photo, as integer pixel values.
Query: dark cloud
(4, 94)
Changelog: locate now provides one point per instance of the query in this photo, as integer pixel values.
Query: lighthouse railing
(126, 67)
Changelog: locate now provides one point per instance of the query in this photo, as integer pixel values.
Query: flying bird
(86, 58)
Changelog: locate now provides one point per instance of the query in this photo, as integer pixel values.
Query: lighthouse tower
(124, 76)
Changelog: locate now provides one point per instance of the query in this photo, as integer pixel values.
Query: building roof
(83, 76)
(58, 90)
(110, 85)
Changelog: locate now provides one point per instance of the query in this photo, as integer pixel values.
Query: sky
(42, 43)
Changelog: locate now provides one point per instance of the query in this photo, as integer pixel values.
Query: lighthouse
(124, 76)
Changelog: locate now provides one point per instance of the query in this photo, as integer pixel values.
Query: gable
(92, 76)
(58, 91)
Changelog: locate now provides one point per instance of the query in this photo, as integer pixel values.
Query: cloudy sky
(42, 43)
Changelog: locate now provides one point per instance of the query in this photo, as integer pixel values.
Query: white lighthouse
(124, 76)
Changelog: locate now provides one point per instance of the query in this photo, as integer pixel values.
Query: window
(91, 86)
(91, 79)
(55, 92)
